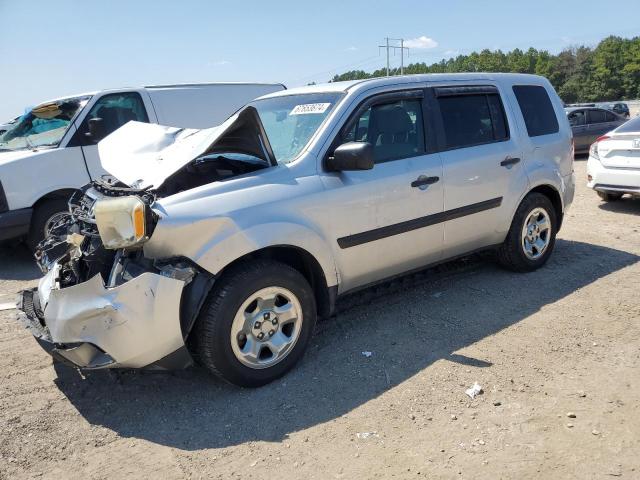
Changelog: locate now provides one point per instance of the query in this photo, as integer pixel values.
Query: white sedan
(613, 168)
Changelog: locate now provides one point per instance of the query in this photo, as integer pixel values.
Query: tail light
(593, 151)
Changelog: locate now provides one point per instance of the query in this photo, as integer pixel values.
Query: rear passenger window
(394, 129)
(472, 120)
(597, 116)
(537, 110)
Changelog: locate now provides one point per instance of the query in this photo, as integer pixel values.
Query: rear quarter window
(537, 110)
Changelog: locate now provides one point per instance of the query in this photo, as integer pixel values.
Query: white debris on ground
(367, 354)
(367, 434)
(474, 391)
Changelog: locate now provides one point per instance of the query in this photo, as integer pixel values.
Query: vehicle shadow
(17, 263)
(624, 205)
(417, 325)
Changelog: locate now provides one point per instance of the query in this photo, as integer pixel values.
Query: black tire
(511, 253)
(610, 197)
(41, 215)
(210, 340)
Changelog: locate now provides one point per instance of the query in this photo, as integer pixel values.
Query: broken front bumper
(133, 325)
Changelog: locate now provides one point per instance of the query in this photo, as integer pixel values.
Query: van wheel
(44, 217)
(610, 197)
(532, 235)
(255, 324)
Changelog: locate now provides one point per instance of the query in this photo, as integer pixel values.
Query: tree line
(608, 72)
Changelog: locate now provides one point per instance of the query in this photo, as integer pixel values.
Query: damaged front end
(101, 303)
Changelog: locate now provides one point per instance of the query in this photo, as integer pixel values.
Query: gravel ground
(556, 351)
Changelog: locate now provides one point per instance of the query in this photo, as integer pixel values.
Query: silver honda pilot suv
(224, 245)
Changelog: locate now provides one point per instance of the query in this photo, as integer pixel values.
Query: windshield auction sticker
(310, 108)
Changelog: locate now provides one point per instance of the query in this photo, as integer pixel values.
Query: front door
(386, 221)
(115, 109)
(579, 127)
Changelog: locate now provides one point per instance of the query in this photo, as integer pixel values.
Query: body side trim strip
(421, 222)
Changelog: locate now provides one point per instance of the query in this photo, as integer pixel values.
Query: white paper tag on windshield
(310, 108)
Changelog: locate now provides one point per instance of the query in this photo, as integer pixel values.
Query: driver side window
(577, 118)
(395, 130)
(115, 110)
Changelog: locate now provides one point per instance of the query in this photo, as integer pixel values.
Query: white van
(51, 151)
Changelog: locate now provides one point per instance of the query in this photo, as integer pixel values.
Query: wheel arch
(62, 193)
(304, 262)
(553, 195)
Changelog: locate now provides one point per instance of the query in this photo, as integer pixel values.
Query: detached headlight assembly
(123, 222)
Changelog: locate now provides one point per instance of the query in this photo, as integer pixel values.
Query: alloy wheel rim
(536, 233)
(266, 327)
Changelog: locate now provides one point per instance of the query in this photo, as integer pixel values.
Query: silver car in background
(224, 245)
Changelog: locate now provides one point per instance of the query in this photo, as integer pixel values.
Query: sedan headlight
(122, 222)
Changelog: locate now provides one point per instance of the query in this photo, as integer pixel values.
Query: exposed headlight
(122, 222)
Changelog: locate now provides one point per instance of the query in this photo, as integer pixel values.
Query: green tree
(610, 71)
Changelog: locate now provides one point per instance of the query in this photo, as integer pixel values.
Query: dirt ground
(544, 346)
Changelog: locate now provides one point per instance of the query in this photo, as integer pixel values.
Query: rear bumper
(133, 325)
(15, 223)
(603, 179)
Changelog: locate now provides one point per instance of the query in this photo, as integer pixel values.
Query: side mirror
(96, 129)
(351, 156)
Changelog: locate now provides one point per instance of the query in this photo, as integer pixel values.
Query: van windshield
(290, 121)
(43, 126)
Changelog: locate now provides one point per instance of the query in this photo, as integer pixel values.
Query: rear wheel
(255, 324)
(610, 197)
(532, 235)
(45, 217)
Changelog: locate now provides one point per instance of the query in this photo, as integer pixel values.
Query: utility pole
(401, 47)
(387, 56)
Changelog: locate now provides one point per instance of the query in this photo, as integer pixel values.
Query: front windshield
(290, 121)
(43, 126)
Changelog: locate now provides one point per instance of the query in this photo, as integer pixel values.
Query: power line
(401, 47)
(336, 69)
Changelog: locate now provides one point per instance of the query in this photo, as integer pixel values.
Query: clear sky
(52, 48)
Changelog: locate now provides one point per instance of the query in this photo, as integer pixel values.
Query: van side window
(115, 109)
(537, 110)
(394, 129)
(472, 120)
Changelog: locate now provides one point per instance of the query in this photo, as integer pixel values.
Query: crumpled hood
(142, 155)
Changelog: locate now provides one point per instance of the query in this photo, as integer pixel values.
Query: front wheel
(255, 324)
(532, 235)
(45, 217)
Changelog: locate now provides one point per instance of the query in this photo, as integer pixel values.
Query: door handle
(424, 181)
(509, 162)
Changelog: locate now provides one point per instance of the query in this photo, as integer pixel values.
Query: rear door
(115, 110)
(484, 177)
(599, 122)
(387, 220)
